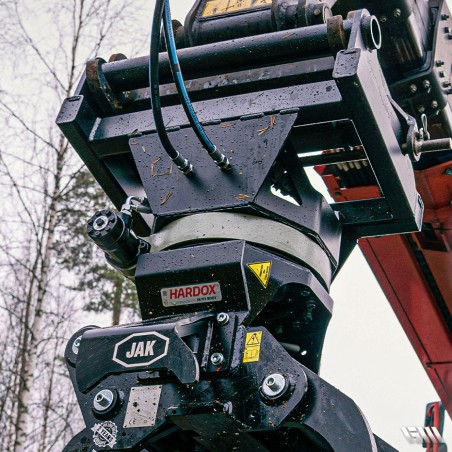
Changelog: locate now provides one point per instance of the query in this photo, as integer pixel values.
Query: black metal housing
(287, 89)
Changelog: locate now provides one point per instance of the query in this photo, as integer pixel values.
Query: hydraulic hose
(219, 158)
(154, 91)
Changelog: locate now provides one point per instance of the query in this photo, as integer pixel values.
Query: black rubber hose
(154, 91)
(219, 158)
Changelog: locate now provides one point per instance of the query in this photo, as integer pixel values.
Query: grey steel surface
(234, 226)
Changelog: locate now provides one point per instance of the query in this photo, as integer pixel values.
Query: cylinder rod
(227, 56)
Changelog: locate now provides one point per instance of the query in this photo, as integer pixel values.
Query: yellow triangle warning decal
(253, 338)
(262, 271)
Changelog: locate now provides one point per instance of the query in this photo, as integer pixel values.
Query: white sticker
(105, 434)
(142, 407)
(192, 294)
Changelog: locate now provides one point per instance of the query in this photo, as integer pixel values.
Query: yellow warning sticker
(214, 7)
(262, 271)
(252, 347)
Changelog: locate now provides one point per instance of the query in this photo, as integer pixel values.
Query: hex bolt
(76, 345)
(397, 12)
(103, 400)
(223, 318)
(426, 84)
(420, 108)
(216, 359)
(274, 386)
(434, 104)
(413, 88)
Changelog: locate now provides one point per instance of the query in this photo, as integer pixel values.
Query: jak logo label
(141, 349)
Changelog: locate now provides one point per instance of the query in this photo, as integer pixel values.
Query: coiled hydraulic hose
(162, 9)
(154, 91)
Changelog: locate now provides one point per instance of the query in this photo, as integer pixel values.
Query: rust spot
(288, 36)
(224, 126)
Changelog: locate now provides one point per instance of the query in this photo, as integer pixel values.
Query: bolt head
(223, 318)
(426, 84)
(420, 108)
(413, 88)
(397, 12)
(383, 18)
(274, 386)
(103, 400)
(216, 359)
(434, 104)
(76, 345)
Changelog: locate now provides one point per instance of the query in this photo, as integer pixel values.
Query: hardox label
(191, 294)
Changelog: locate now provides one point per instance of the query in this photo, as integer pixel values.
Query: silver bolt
(420, 108)
(426, 84)
(383, 18)
(76, 345)
(413, 88)
(434, 104)
(274, 385)
(223, 318)
(216, 359)
(103, 400)
(397, 12)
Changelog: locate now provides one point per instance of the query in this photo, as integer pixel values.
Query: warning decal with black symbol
(262, 271)
(252, 347)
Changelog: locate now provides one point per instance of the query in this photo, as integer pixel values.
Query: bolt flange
(216, 359)
(274, 386)
(223, 318)
(104, 401)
